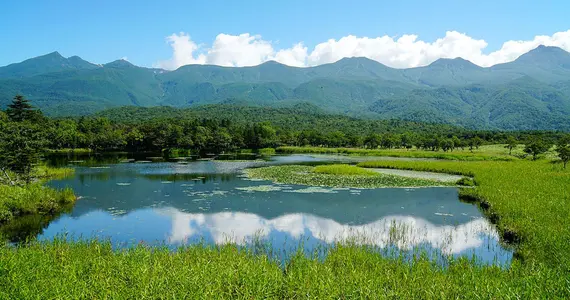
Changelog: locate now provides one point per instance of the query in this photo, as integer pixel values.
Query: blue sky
(102, 31)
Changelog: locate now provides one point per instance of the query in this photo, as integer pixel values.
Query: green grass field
(486, 152)
(528, 200)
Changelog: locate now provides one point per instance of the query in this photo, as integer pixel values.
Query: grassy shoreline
(529, 202)
(92, 269)
(462, 155)
(35, 198)
(337, 176)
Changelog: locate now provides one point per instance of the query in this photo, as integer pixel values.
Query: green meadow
(528, 201)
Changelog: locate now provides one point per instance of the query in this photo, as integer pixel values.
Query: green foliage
(20, 147)
(20, 109)
(32, 199)
(222, 128)
(339, 177)
(511, 144)
(267, 151)
(466, 181)
(536, 147)
(343, 170)
(563, 150)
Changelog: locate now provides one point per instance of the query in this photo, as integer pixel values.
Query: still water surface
(174, 204)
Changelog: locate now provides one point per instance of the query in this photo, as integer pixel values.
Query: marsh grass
(27, 199)
(60, 269)
(32, 199)
(340, 169)
(306, 175)
(44, 172)
(485, 153)
(529, 201)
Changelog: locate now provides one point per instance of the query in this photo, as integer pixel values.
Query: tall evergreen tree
(20, 109)
(20, 147)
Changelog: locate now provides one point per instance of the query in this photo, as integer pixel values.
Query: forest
(223, 128)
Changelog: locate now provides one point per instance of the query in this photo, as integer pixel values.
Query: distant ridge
(531, 92)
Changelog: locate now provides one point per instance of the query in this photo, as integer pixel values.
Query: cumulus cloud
(405, 51)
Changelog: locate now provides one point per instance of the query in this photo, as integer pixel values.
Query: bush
(466, 181)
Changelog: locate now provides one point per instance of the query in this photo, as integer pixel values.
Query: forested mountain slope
(532, 92)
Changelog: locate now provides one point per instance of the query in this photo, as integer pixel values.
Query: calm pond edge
(51, 269)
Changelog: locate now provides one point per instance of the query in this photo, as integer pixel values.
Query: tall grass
(32, 199)
(92, 269)
(476, 155)
(340, 169)
(529, 201)
(47, 172)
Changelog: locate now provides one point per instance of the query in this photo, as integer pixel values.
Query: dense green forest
(530, 93)
(222, 128)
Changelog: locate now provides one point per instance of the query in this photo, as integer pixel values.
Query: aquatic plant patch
(306, 175)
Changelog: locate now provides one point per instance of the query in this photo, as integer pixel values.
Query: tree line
(26, 133)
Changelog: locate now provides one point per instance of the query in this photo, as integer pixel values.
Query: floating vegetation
(417, 174)
(116, 212)
(343, 170)
(104, 167)
(261, 188)
(305, 175)
(443, 214)
(313, 189)
(206, 193)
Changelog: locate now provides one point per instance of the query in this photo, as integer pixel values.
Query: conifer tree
(20, 109)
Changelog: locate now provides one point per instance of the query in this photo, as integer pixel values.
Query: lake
(179, 203)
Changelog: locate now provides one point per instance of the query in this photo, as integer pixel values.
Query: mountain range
(531, 92)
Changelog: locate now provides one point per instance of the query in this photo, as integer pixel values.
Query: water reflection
(405, 232)
(209, 201)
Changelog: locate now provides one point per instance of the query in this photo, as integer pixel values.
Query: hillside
(532, 92)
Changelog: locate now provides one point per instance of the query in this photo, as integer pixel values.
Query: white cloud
(239, 227)
(183, 49)
(399, 52)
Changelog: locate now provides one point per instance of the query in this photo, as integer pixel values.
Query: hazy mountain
(532, 92)
(52, 62)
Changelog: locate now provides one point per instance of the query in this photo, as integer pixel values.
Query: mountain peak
(356, 59)
(542, 55)
(272, 63)
(457, 62)
(119, 63)
(47, 63)
(52, 54)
